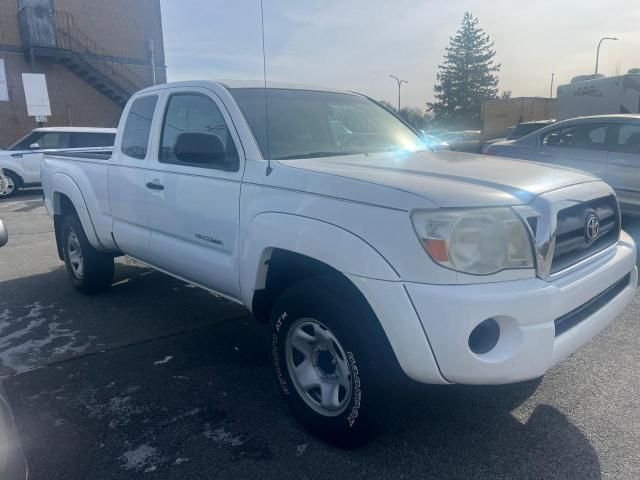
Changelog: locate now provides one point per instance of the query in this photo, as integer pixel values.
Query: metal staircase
(54, 36)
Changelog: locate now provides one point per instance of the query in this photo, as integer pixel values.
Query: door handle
(155, 186)
(16, 155)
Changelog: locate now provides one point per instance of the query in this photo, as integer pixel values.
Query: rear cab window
(135, 139)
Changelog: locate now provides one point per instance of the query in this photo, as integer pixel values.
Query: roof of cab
(239, 84)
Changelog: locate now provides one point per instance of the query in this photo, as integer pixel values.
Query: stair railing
(70, 37)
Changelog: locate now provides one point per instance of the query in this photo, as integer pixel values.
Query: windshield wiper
(317, 155)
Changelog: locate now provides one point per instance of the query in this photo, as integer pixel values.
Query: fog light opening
(484, 337)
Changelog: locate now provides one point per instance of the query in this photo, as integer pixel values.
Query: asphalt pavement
(157, 379)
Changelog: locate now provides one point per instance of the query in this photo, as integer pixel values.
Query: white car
(21, 161)
(370, 257)
(607, 146)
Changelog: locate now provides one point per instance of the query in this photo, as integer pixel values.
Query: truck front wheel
(90, 271)
(331, 360)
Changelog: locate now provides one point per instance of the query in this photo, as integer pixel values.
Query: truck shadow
(188, 375)
(488, 432)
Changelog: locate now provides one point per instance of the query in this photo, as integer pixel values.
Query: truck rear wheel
(90, 271)
(331, 360)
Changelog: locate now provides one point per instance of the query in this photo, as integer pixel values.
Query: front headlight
(477, 241)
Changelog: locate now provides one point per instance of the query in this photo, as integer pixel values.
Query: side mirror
(199, 148)
(4, 234)
(34, 146)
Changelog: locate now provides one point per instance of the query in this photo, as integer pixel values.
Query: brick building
(94, 53)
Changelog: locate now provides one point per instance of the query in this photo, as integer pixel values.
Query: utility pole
(553, 76)
(598, 51)
(400, 82)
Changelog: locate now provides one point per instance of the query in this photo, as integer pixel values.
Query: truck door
(193, 192)
(127, 174)
(581, 145)
(624, 165)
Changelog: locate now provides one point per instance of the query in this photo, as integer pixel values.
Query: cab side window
(135, 140)
(628, 139)
(590, 136)
(195, 134)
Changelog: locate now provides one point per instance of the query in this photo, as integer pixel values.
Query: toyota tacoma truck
(370, 257)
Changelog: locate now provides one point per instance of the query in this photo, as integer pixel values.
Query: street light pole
(598, 51)
(400, 82)
(553, 76)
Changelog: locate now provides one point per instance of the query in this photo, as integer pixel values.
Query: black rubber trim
(573, 318)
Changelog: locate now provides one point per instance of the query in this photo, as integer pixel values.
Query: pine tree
(466, 78)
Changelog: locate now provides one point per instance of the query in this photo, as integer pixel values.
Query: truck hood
(450, 179)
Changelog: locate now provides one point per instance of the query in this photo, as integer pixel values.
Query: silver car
(606, 145)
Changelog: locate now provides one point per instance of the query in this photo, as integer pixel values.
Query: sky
(357, 44)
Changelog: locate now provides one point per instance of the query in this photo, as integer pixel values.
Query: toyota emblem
(591, 228)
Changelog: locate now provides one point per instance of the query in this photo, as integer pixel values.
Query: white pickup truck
(369, 256)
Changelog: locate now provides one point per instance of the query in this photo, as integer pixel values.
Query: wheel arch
(273, 259)
(66, 199)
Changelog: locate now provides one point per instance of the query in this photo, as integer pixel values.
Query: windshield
(306, 124)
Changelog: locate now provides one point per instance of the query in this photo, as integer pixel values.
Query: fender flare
(330, 244)
(62, 184)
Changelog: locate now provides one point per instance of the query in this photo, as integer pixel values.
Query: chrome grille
(557, 222)
(571, 244)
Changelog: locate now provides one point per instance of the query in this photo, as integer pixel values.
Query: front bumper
(526, 311)
(436, 350)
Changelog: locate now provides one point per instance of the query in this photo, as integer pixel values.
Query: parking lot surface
(157, 379)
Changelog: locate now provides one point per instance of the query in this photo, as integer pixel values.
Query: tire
(90, 271)
(345, 350)
(14, 183)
